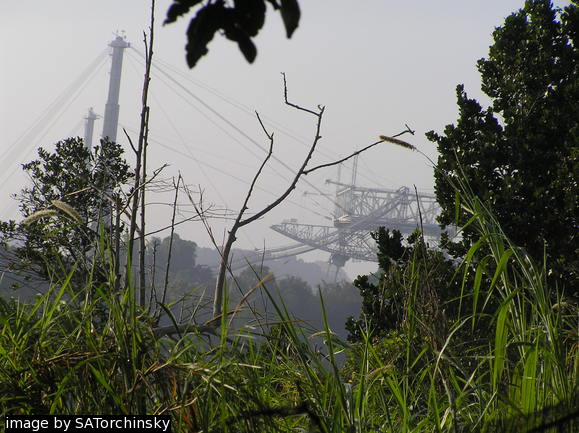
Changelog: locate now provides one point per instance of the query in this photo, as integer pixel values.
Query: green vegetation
(62, 357)
(385, 302)
(521, 154)
(484, 342)
(73, 189)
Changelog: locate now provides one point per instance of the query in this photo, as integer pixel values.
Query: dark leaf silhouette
(248, 49)
(274, 3)
(240, 22)
(243, 22)
(246, 46)
(290, 13)
(250, 16)
(201, 30)
(178, 8)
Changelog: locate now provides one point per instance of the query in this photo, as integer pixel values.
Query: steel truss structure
(359, 211)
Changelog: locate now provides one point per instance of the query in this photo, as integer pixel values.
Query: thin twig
(258, 173)
(171, 241)
(382, 139)
(142, 245)
(144, 184)
(112, 200)
(231, 238)
(330, 164)
(169, 226)
(300, 172)
(130, 141)
(153, 277)
(140, 146)
(408, 129)
(295, 105)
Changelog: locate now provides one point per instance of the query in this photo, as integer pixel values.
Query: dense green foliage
(403, 265)
(521, 154)
(75, 189)
(59, 357)
(184, 273)
(485, 344)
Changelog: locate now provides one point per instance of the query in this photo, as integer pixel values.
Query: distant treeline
(191, 281)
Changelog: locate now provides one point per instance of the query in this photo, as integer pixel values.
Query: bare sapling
(241, 221)
(140, 167)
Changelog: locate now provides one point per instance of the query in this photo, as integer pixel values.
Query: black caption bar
(87, 423)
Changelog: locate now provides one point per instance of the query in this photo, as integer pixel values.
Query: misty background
(376, 66)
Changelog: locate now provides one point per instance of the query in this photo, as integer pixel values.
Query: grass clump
(505, 360)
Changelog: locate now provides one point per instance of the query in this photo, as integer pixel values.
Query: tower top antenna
(120, 41)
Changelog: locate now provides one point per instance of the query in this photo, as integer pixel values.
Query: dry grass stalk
(67, 209)
(39, 214)
(398, 142)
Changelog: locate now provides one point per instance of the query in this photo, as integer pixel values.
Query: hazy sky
(375, 67)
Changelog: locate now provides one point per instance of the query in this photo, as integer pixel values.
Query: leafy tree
(297, 295)
(251, 276)
(27, 284)
(409, 272)
(183, 252)
(71, 190)
(184, 273)
(520, 154)
(239, 21)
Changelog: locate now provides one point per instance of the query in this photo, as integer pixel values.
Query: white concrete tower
(89, 129)
(111, 117)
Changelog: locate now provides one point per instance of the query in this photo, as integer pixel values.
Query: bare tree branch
(330, 164)
(299, 173)
(144, 184)
(302, 171)
(143, 130)
(382, 139)
(169, 226)
(130, 141)
(317, 114)
(142, 245)
(231, 238)
(171, 241)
